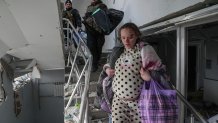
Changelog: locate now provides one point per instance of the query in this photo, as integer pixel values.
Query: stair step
(102, 120)
(67, 69)
(68, 74)
(73, 78)
(92, 87)
(91, 95)
(99, 115)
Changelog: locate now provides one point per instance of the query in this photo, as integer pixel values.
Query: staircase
(95, 115)
(80, 83)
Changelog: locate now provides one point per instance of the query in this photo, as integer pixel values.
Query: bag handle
(146, 85)
(151, 84)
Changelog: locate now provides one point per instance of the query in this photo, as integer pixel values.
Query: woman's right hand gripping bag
(158, 105)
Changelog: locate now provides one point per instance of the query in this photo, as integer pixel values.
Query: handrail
(183, 99)
(76, 86)
(83, 111)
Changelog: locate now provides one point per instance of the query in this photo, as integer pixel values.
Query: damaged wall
(7, 112)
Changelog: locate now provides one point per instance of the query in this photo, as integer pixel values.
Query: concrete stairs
(96, 115)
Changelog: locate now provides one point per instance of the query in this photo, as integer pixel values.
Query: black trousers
(95, 42)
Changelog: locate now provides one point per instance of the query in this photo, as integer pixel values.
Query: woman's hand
(145, 75)
(110, 72)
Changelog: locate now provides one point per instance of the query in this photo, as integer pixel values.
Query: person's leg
(119, 111)
(101, 41)
(92, 45)
(65, 38)
(134, 112)
(75, 39)
(74, 43)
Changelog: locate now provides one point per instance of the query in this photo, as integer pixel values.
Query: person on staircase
(73, 15)
(128, 76)
(95, 40)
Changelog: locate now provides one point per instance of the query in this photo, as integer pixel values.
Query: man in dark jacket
(74, 17)
(72, 14)
(95, 40)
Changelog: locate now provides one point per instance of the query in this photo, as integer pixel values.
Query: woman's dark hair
(132, 26)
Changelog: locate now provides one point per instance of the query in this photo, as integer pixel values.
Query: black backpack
(115, 17)
(104, 22)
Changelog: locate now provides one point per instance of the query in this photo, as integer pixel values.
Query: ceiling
(30, 29)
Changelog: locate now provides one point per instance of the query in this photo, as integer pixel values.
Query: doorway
(192, 68)
(194, 71)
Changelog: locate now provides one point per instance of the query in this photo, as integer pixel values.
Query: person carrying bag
(157, 102)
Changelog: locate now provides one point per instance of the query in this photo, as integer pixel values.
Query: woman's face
(128, 38)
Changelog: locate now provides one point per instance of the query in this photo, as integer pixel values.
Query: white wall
(212, 54)
(49, 108)
(30, 28)
(210, 91)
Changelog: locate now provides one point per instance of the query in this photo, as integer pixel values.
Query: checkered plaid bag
(158, 105)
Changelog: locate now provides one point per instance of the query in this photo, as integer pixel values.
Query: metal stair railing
(190, 107)
(82, 50)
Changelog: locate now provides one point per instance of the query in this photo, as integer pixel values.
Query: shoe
(94, 69)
